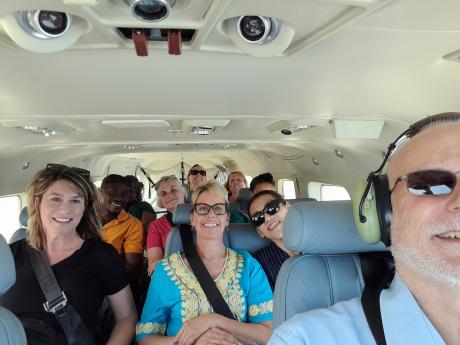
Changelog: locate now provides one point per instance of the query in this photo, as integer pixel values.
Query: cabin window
(11, 207)
(332, 192)
(326, 192)
(287, 188)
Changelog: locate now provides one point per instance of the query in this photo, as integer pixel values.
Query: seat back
(328, 270)
(244, 196)
(297, 200)
(21, 232)
(11, 330)
(239, 236)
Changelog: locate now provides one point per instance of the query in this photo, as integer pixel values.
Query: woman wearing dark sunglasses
(177, 310)
(267, 210)
(63, 224)
(196, 177)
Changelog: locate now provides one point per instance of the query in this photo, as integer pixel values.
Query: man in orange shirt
(120, 229)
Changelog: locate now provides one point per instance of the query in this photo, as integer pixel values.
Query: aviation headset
(372, 198)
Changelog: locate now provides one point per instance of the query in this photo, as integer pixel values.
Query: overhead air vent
(258, 29)
(159, 35)
(44, 31)
(259, 35)
(150, 10)
(44, 24)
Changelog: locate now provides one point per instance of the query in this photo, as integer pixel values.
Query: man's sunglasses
(429, 182)
(203, 209)
(60, 167)
(196, 172)
(271, 208)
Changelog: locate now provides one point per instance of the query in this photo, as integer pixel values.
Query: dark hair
(262, 178)
(275, 195)
(114, 178)
(136, 186)
(432, 121)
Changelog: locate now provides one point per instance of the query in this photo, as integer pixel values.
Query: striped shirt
(271, 258)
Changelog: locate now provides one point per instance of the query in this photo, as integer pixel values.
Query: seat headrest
(7, 268)
(244, 236)
(24, 217)
(181, 214)
(244, 195)
(324, 227)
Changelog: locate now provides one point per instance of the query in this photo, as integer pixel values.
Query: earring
(226, 228)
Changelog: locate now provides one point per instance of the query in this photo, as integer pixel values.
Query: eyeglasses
(203, 209)
(196, 172)
(59, 167)
(429, 182)
(271, 208)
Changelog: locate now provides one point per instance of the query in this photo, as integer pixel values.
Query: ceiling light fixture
(174, 131)
(45, 131)
(203, 130)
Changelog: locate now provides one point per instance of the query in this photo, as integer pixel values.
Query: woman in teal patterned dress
(177, 310)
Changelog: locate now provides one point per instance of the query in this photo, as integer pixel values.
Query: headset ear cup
(384, 208)
(369, 230)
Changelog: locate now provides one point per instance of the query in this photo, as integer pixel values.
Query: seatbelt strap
(202, 275)
(56, 300)
(377, 274)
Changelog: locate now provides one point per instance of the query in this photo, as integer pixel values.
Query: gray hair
(171, 178)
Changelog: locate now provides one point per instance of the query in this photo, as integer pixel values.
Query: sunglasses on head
(203, 209)
(59, 167)
(434, 182)
(196, 172)
(271, 208)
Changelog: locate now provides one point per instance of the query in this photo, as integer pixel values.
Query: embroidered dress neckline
(189, 271)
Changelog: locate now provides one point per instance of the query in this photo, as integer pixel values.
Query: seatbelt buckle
(56, 305)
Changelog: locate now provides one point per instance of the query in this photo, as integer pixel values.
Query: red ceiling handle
(174, 42)
(140, 42)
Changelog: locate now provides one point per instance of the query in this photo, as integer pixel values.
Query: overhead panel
(357, 129)
(240, 26)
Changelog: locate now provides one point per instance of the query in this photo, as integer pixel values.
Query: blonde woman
(177, 310)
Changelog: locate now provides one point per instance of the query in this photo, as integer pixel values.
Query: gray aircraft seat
(329, 269)
(243, 199)
(11, 330)
(297, 200)
(244, 195)
(240, 236)
(21, 232)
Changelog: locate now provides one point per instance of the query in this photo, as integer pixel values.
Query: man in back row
(422, 304)
(120, 229)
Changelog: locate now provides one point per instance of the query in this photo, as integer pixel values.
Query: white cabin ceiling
(337, 60)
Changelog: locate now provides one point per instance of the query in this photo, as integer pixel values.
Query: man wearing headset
(422, 304)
